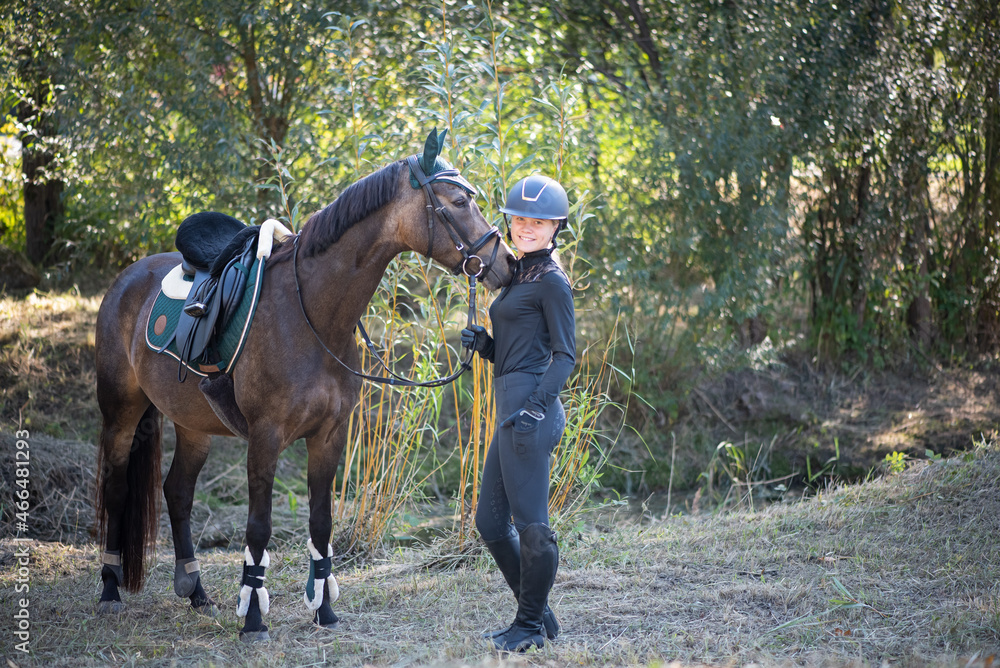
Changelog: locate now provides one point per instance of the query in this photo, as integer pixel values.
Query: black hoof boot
(205, 606)
(251, 637)
(254, 629)
(110, 607)
(202, 603)
(326, 617)
(111, 600)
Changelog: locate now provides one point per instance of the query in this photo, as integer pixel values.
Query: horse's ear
(432, 147)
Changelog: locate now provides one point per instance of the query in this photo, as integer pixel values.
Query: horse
(295, 378)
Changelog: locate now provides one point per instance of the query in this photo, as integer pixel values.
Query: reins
(436, 212)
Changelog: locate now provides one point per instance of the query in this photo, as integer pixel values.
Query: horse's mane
(359, 200)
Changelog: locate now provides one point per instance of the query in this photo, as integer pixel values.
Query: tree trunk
(270, 119)
(42, 190)
(988, 324)
(918, 313)
(857, 273)
(42, 205)
(916, 221)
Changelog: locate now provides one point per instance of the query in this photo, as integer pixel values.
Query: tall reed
(399, 438)
(591, 417)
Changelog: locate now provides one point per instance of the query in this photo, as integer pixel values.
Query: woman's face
(532, 234)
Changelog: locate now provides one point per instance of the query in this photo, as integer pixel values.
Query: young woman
(533, 350)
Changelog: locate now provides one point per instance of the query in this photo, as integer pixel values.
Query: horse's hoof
(329, 621)
(110, 607)
(250, 637)
(210, 609)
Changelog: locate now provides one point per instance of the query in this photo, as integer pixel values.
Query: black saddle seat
(209, 240)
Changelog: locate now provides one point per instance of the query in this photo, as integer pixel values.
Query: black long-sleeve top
(534, 327)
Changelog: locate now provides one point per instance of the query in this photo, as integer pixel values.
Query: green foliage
(895, 462)
(11, 196)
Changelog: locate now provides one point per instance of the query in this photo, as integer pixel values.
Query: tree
(33, 61)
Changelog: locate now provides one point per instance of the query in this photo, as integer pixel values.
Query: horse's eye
(460, 202)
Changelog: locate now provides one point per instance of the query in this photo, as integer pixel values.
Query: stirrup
(196, 309)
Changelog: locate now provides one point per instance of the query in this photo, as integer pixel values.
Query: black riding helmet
(540, 197)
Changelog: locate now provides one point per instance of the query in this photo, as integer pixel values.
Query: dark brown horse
(285, 384)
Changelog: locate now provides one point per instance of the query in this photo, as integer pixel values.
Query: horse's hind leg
(127, 488)
(178, 488)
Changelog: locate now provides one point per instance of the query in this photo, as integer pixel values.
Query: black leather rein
(436, 213)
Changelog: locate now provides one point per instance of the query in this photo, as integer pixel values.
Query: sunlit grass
(46, 362)
(897, 571)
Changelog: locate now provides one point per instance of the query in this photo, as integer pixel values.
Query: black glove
(524, 419)
(475, 338)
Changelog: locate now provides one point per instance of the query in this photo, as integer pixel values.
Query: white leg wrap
(313, 595)
(262, 598)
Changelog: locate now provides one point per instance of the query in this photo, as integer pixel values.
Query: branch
(197, 28)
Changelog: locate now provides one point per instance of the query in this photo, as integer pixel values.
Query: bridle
(436, 213)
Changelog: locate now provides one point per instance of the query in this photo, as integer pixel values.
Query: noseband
(436, 212)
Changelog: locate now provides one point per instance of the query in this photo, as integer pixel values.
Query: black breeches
(516, 472)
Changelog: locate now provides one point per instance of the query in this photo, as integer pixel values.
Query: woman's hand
(524, 419)
(475, 338)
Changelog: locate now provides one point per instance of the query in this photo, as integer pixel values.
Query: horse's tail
(141, 508)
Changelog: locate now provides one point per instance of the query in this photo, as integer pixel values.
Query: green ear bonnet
(432, 163)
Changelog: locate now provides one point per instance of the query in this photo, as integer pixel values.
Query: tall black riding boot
(539, 561)
(506, 552)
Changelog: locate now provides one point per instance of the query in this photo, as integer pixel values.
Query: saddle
(218, 251)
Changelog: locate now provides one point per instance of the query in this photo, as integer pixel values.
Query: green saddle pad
(227, 348)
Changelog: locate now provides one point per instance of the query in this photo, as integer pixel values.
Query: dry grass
(903, 570)
(47, 363)
(797, 413)
(897, 571)
(61, 477)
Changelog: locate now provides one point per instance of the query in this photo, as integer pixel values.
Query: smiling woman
(532, 234)
(533, 353)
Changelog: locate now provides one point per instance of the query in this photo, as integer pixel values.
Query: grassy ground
(903, 570)
(47, 364)
(899, 571)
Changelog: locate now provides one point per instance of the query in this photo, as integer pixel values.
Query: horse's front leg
(254, 602)
(189, 458)
(321, 587)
